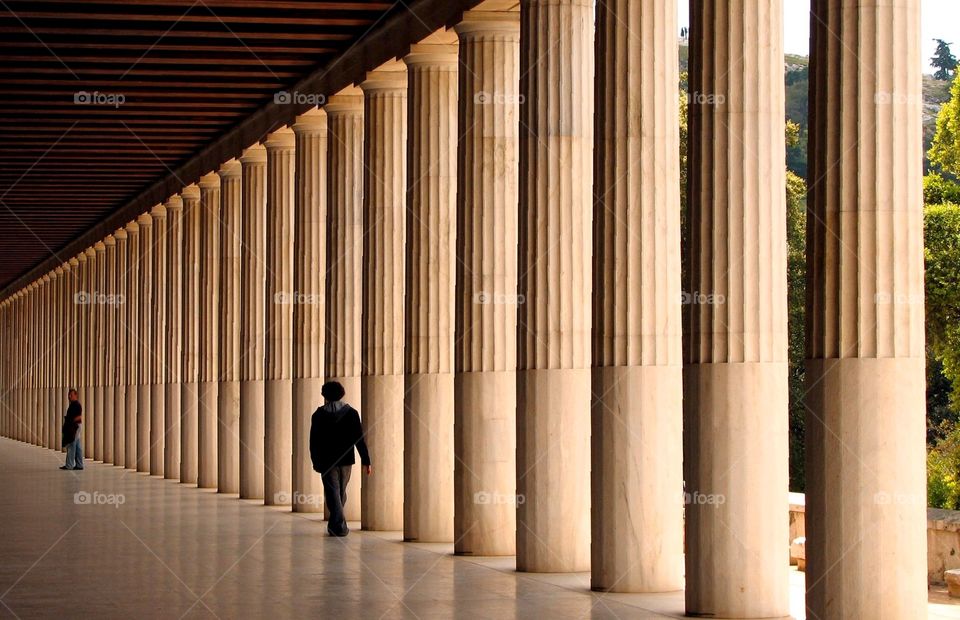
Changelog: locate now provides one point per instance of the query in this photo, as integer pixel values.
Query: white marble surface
(173, 550)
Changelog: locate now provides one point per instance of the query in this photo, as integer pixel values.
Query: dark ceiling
(99, 99)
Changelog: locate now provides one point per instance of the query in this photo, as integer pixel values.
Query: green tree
(945, 152)
(944, 60)
(942, 278)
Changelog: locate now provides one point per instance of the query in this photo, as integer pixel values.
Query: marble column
(553, 357)
(134, 345)
(431, 225)
(98, 346)
(865, 424)
(108, 330)
(228, 390)
(190, 346)
(637, 410)
(310, 229)
(158, 340)
(381, 385)
(89, 356)
(344, 264)
(146, 358)
(120, 338)
(253, 198)
(208, 332)
(735, 313)
(45, 360)
(173, 350)
(278, 320)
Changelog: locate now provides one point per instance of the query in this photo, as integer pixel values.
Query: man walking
(335, 430)
(72, 438)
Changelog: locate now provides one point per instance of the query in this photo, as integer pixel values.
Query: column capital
(210, 180)
(174, 203)
(190, 192)
(282, 138)
(120, 233)
(346, 101)
(73, 262)
(99, 247)
(391, 75)
(475, 24)
(158, 211)
(256, 154)
(109, 241)
(90, 252)
(144, 220)
(313, 121)
(45, 278)
(441, 55)
(133, 228)
(229, 169)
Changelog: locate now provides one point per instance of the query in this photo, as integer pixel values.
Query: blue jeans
(75, 451)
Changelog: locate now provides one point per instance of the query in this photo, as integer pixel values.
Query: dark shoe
(77, 469)
(65, 467)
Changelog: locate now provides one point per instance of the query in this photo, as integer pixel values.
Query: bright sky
(941, 20)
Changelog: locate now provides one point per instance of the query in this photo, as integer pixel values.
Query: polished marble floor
(135, 546)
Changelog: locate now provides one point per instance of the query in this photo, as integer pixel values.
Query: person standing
(335, 430)
(72, 438)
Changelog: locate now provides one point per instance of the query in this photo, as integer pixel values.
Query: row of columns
(510, 330)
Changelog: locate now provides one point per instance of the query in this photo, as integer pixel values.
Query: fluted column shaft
(45, 359)
(344, 265)
(735, 348)
(381, 386)
(310, 229)
(158, 339)
(120, 338)
(252, 306)
(553, 372)
(278, 320)
(134, 345)
(208, 331)
(173, 351)
(228, 390)
(431, 278)
(108, 330)
(485, 350)
(190, 319)
(98, 343)
(147, 357)
(865, 430)
(637, 411)
(88, 344)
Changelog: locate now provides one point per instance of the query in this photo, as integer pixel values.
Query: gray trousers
(335, 495)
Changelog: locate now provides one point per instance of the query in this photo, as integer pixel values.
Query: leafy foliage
(945, 151)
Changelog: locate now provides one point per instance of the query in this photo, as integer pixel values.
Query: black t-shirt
(333, 436)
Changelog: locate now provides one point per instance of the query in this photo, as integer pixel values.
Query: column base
(189, 411)
(736, 485)
(637, 477)
(251, 439)
(158, 399)
(171, 425)
(866, 488)
(207, 434)
(307, 487)
(119, 424)
(98, 400)
(228, 437)
(106, 407)
(130, 431)
(428, 457)
(278, 442)
(144, 392)
(382, 493)
(553, 469)
(485, 470)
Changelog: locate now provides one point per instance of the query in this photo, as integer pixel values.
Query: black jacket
(333, 435)
(71, 423)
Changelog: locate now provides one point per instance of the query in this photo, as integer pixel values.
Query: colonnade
(481, 241)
